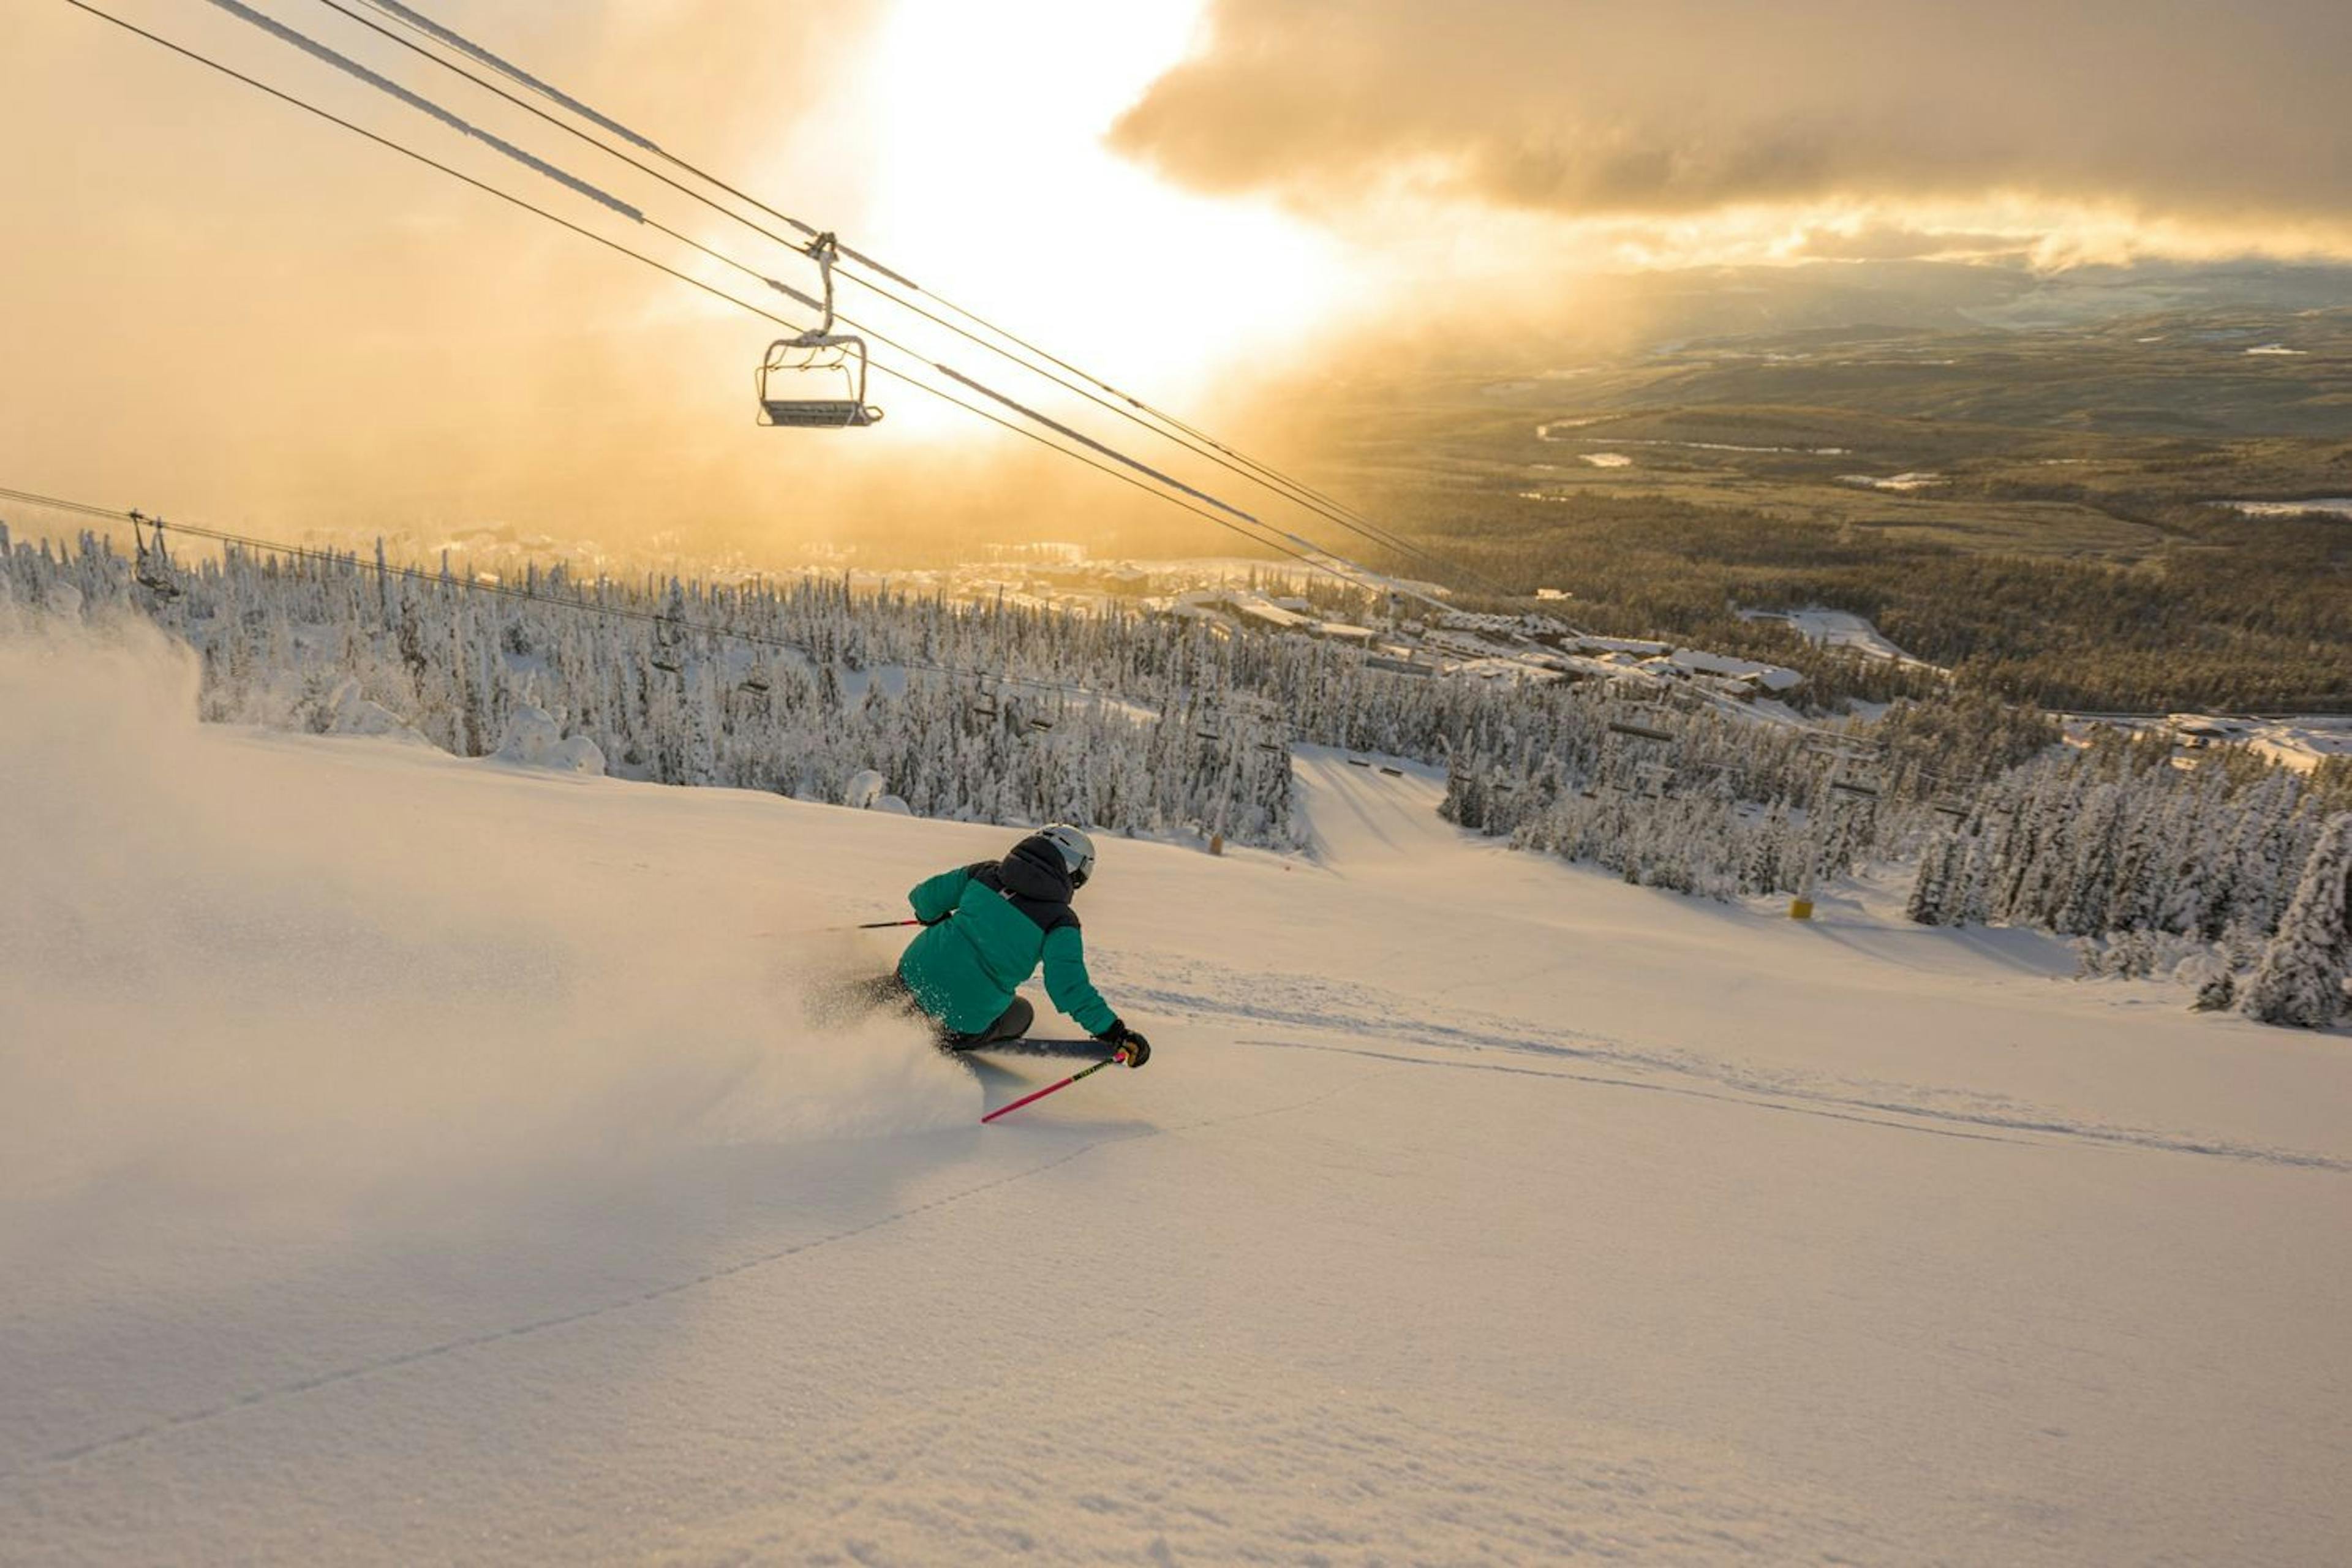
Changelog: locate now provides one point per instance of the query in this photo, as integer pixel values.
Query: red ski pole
(1118, 1058)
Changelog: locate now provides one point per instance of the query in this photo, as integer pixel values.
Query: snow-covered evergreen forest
(1140, 724)
(2207, 872)
(965, 713)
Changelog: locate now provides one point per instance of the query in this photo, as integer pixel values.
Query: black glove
(1119, 1037)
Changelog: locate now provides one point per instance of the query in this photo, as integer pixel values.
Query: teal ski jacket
(987, 927)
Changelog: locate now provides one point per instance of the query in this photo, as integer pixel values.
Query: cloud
(2219, 109)
(223, 310)
(1902, 242)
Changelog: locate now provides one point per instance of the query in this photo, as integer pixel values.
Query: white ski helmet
(1077, 851)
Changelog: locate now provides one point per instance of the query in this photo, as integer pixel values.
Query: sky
(220, 305)
(1699, 130)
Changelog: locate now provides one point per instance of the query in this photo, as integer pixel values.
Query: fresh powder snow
(410, 1159)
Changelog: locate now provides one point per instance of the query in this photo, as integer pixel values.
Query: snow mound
(357, 715)
(533, 739)
(868, 791)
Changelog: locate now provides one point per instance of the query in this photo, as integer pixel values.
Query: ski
(1089, 1049)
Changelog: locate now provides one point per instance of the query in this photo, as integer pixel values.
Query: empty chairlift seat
(816, 380)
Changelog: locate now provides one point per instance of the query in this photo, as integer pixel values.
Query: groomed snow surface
(411, 1160)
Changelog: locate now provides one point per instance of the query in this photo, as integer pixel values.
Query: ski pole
(885, 925)
(1120, 1057)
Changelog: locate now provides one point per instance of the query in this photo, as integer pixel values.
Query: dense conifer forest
(2225, 868)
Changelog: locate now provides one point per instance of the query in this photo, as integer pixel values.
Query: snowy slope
(403, 1159)
(1835, 628)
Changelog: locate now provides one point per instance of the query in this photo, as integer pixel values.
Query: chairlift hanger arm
(1306, 555)
(1102, 391)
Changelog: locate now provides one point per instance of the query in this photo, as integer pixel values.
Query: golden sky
(2205, 124)
(219, 305)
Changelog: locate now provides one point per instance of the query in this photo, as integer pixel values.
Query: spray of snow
(313, 1004)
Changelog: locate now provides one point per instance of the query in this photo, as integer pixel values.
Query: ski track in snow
(1189, 1315)
(1374, 1013)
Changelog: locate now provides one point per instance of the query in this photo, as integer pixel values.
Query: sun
(977, 134)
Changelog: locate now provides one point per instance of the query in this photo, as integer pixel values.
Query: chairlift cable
(717, 292)
(351, 561)
(1330, 563)
(319, 50)
(1096, 390)
(503, 589)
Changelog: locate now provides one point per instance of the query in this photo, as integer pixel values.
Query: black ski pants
(891, 991)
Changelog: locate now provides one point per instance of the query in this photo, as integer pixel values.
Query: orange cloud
(2213, 111)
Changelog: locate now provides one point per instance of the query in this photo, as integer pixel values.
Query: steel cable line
(1328, 561)
(1096, 390)
(504, 590)
(710, 628)
(352, 68)
(914, 381)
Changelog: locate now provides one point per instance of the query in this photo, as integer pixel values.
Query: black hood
(1036, 870)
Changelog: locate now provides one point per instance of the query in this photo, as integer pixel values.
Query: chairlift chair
(668, 654)
(153, 570)
(1643, 722)
(1854, 787)
(1638, 731)
(814, 360)
(816, 380)
(1838, 748)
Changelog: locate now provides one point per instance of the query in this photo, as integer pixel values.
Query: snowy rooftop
(1769, 677)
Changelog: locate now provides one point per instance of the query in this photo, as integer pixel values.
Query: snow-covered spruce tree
(1935, 894)
(803, 682)
(1968, 900)
(2133, 899)
(2300, 979)
(2090, 883)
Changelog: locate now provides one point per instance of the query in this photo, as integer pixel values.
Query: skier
(986, 928)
